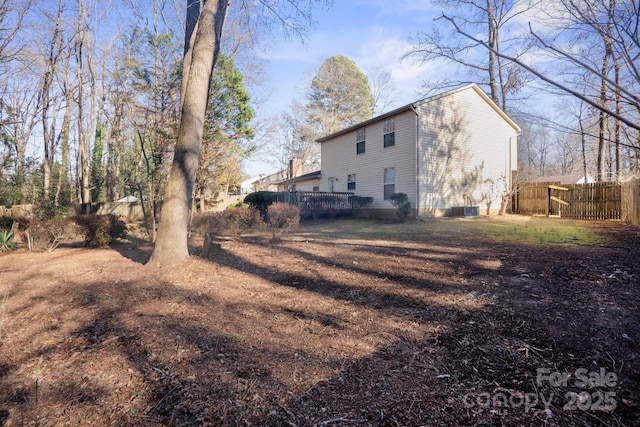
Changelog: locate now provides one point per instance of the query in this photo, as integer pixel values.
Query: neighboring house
(293, 178)
(565, 179)
(307, 182)
(453, 149)
(247, 185)
(269, 182)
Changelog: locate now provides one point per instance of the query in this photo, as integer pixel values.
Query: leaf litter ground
(430, 323)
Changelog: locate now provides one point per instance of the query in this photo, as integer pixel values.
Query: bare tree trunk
(602, 119)
(64, 136)
(171, 245)
(493, 84)
(49, 107)
(617, 124)
(203, 205)
(583, 142)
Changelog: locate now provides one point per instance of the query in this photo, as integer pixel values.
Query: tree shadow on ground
(323, 341)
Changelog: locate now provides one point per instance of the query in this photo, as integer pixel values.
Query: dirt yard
(442, 323)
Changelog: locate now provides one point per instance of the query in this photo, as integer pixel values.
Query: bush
(48, 235)
(205, 222)
(402, 203)
(283, 218)
(6, 222)
(360, 202)
(238, 220)
(100, 230)
(233, 221)
(261, 200)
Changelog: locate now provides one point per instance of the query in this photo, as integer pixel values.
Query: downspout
(512, 185)
(413, 108)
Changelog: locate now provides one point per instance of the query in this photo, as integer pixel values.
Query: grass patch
(535, 231)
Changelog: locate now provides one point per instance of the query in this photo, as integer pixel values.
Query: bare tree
(488, 17)
(382, 88)
(21, 110)
(49, 100)
(626, 22)
(12, 15)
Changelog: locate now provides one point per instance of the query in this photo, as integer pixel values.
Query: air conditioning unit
(466, 211)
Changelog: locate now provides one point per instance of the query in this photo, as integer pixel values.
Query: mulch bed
(449, 332)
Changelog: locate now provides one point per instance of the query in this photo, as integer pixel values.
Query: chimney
(295, 168)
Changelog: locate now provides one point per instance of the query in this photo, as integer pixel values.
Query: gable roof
(413, 105)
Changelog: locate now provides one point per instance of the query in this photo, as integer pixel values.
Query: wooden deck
(314, 203)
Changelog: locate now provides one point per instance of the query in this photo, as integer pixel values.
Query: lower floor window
(351, 182)
(389, 182)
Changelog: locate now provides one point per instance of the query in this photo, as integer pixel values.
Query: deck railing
(320, 203)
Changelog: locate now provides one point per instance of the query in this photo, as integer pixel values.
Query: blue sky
(373, 33)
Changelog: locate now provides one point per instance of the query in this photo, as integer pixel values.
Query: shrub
(402, 203)
(261, 200)
(204, 222)
(100, 230)
(283, 218)
(6, 240)
(238, 220)
(6, 222)
(48, 235)
(58, 229)
(360, 202)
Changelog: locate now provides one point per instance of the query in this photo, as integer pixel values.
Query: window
(389, 133)
(360, 141)
(316, 185)
(389, 182)
(351, 182)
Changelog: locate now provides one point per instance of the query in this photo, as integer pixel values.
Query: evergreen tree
(340, 96)
(226, 128)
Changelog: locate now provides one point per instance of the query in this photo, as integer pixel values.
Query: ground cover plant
(447, 322)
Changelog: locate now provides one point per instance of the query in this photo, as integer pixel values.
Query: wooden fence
(631, 202)
(599, 201)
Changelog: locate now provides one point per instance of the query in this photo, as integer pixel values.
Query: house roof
(305, 177)
(413, 105)
(562, 179)
(270, 179)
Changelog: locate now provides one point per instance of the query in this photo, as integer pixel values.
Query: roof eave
(412, 105)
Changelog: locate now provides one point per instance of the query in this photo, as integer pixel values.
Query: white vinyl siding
(301, 185)
(339, 159)
(464, 151)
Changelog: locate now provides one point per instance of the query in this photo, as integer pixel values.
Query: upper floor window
(360, 141)
(351, 182)
(389, 133)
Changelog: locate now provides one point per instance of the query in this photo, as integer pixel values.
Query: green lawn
(510, 229)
